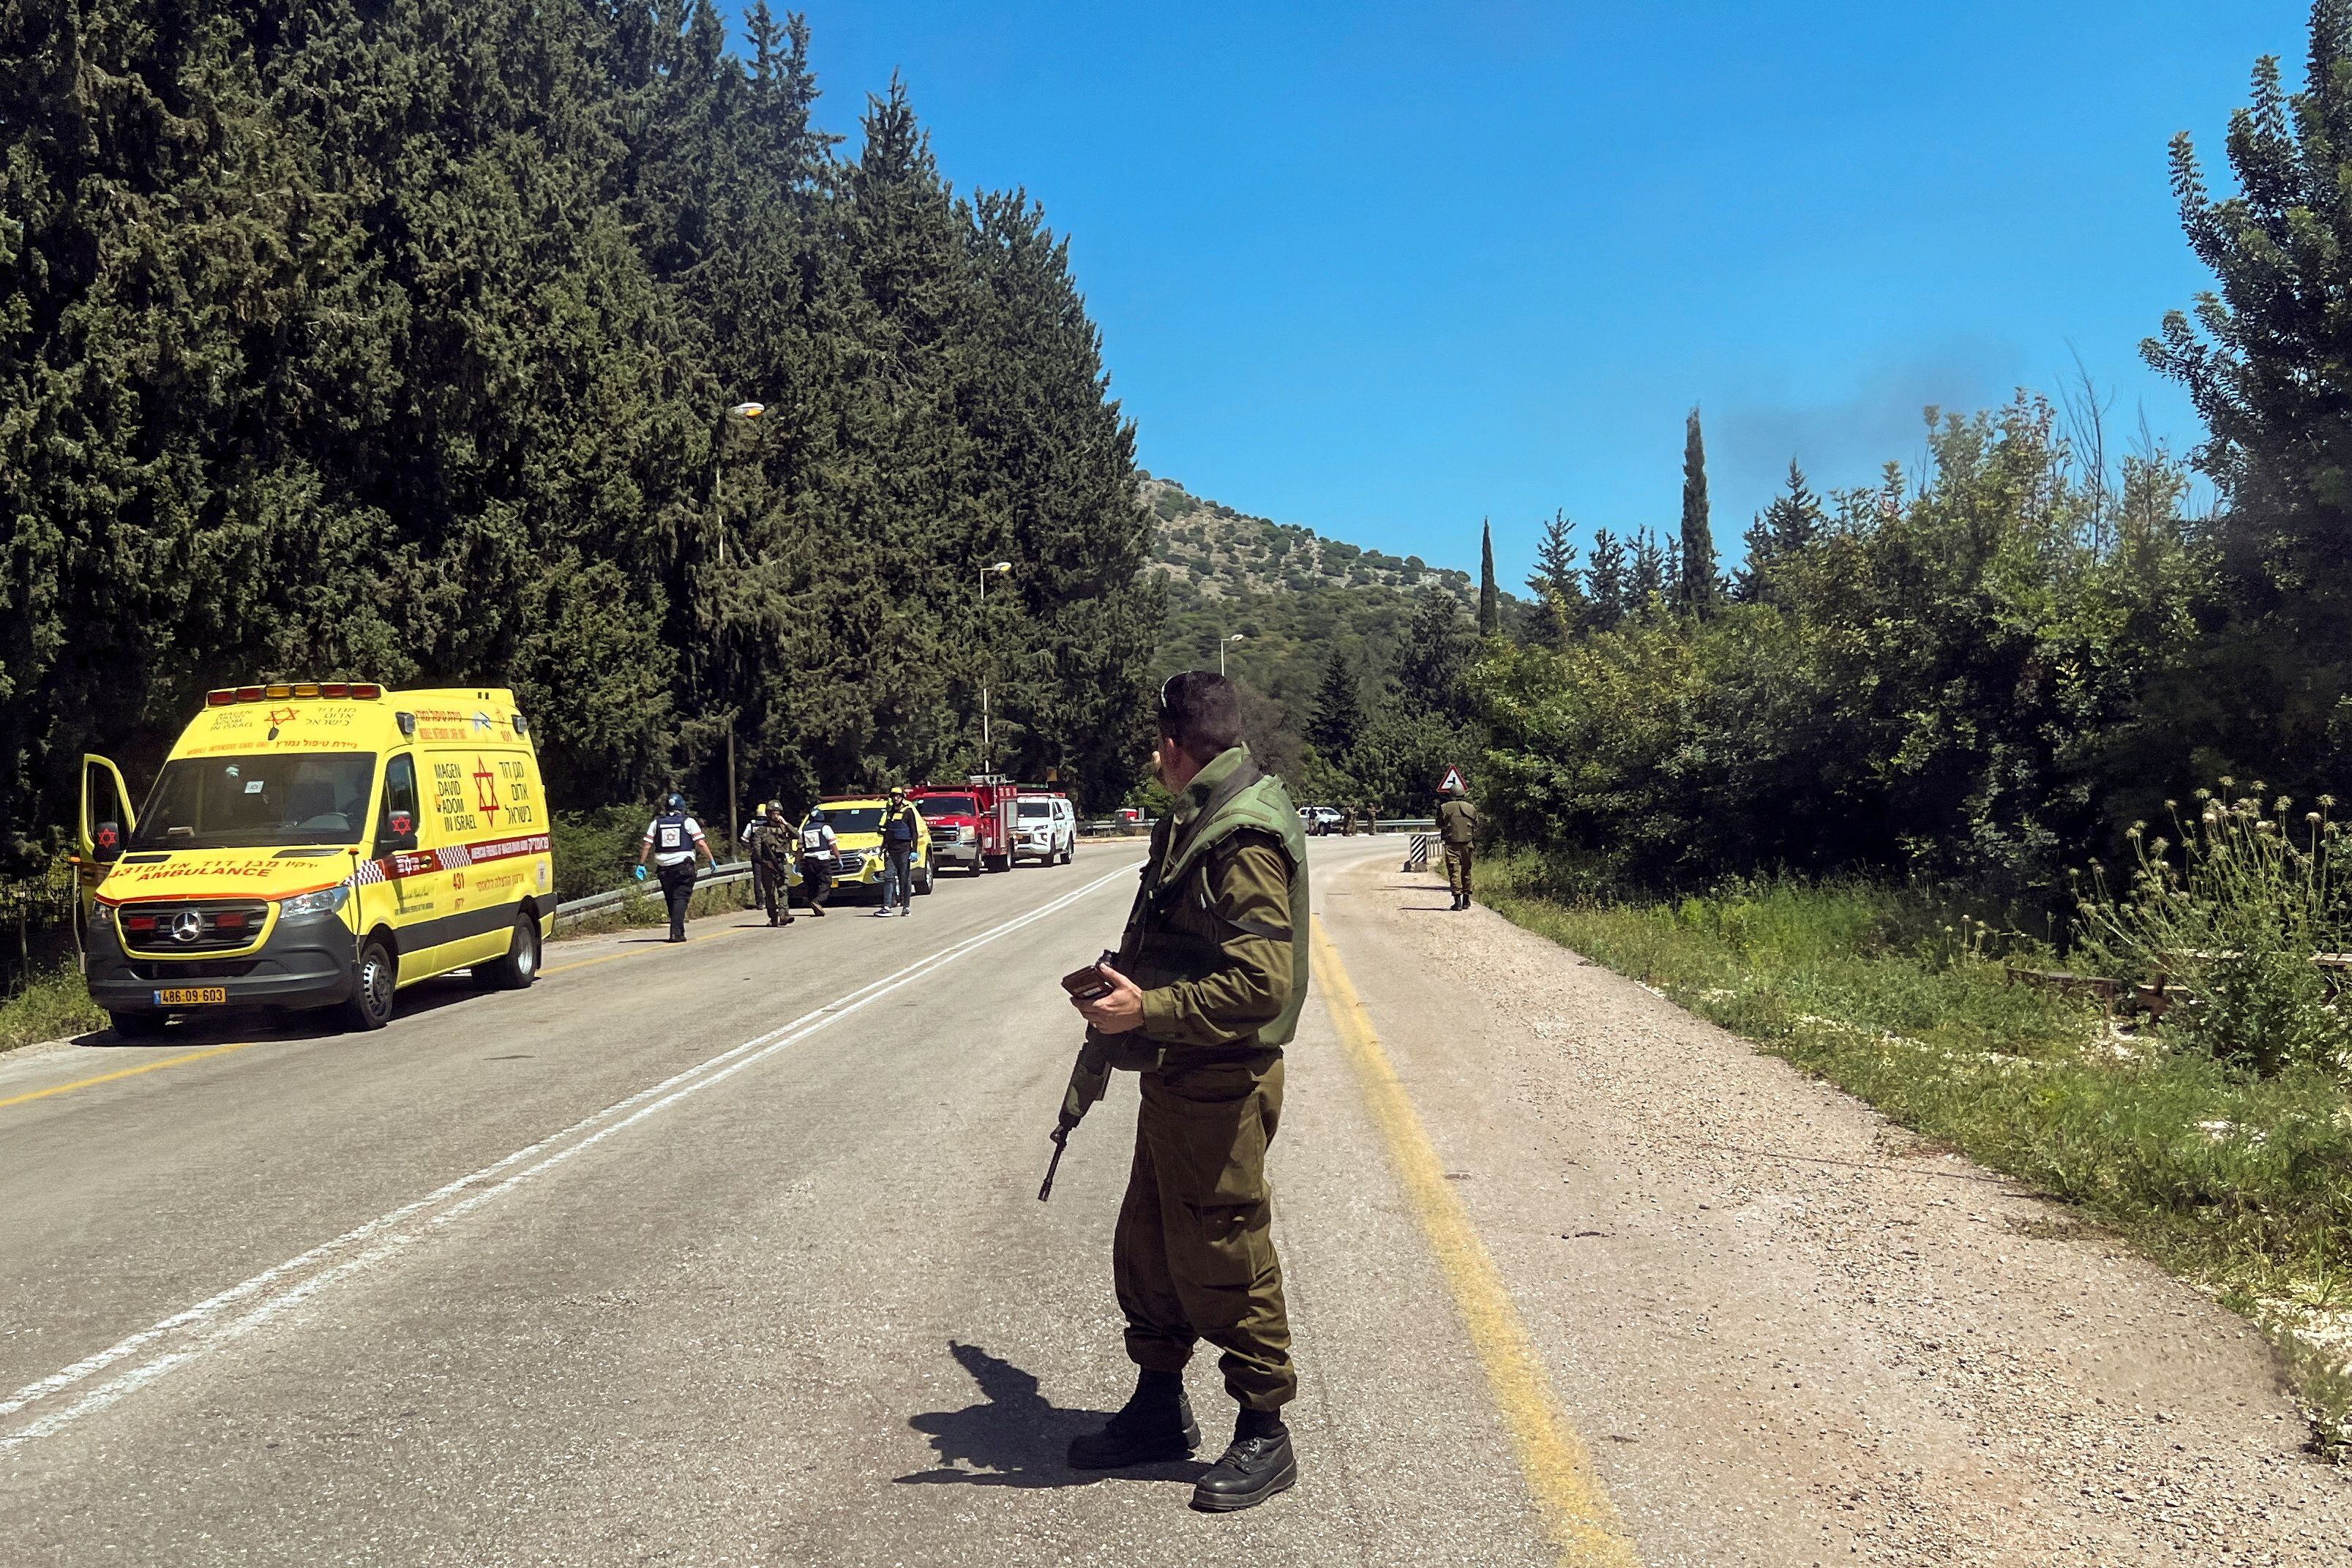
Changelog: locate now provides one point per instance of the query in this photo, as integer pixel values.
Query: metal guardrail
(597, 903)
(1111, 827)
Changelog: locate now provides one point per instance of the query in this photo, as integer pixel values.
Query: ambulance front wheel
(520, 967)
(136, 1025)
(371, 1004)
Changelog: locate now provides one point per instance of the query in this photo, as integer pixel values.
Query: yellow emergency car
(318, 843)
(856, 822)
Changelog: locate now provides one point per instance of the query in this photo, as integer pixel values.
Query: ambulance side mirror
(106, 842)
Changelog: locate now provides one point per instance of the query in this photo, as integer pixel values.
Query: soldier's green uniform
(1216, 942)
(770, 844)
(1457, 828)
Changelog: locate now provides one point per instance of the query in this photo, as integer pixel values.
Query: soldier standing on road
(818, 846)
(1458, 829)
(672, 841)
(1206, 991)
(771, 858)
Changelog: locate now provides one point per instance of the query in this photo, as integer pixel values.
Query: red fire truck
(972, 822)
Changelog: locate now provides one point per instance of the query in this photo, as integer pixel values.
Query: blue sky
(1385, 269)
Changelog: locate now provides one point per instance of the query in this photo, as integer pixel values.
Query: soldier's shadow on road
(1014, 1437)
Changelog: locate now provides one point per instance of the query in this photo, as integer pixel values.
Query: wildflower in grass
(2233, 920)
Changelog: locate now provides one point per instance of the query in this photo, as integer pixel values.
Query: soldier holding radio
(1200, 999)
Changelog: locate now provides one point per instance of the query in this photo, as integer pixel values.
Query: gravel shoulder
(1794, 1332)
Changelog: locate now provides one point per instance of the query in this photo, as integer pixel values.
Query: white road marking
(213, 1322)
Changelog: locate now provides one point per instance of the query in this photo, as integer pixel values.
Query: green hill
(1293, 596)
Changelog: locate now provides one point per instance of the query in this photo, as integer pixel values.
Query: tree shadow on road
(1014, 1437)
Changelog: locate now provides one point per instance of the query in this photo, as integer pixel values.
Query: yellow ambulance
(318, 843)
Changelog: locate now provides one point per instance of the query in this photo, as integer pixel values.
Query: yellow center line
(1575, 1504)
(128, 1072)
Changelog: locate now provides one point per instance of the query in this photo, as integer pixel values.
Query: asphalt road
(727, 1253)
(730, 1253)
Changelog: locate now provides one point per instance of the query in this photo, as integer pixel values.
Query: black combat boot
(1258, 1465)
(1156, 1426)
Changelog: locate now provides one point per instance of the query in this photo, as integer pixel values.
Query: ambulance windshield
(258, 802)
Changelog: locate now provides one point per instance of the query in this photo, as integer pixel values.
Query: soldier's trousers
(771, 891)
(1194, 1256)
(1457, 871)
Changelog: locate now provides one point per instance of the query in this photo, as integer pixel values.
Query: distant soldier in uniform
(771, 847)
(819, 844)
(672, 841)
(1204, 992)
(1458, 829)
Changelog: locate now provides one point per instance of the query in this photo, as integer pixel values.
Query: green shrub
(594, 850)
(52, 1005)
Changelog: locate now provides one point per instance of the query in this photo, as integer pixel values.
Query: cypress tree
(1697, 576)
(1490, 598)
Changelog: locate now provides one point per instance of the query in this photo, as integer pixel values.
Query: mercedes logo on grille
(187, 926)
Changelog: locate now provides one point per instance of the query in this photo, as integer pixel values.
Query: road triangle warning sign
(1452, 781)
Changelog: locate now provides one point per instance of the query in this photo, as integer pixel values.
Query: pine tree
(1435, 659)
(1490, 598)
(1606, 589)
(1781, 530)
(404, 333)
(1696, 571)
(2264, 361)
(1650, 577)
(1338, 710)
(1557, 585)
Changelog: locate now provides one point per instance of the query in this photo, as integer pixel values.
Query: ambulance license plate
(191, 995)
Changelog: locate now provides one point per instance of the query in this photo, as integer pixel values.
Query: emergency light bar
(362, 691)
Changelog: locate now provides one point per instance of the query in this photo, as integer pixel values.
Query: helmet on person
(897, 792)
(676, 802)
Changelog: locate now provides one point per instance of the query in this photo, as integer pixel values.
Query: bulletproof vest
(1174, 932)
(898, 825)
(669, 834)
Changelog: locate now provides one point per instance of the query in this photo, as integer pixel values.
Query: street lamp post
(746, 412)
(1236, 637)
(987, 742)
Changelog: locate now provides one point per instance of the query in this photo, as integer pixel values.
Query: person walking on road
(1457, 831)
(770, 846)
(1204, 992)
(672, 841)
(819, 844)
(902, 826)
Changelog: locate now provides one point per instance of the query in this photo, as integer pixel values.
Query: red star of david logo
(486, 787)
(283, 715)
